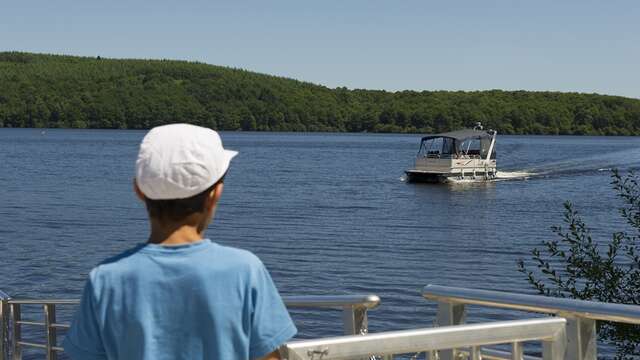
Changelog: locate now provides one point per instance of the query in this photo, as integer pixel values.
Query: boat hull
(425, 177)
(420, 176)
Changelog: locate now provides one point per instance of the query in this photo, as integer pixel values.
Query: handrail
(316, 301)
(567, 307)
(354, 317)
(581, 315)
(551, 331)
(44, 302)
(367, 301)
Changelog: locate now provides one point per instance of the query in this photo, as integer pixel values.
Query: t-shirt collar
(177, 249)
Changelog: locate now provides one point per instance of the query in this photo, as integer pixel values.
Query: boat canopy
(462, 135)
(465, 142)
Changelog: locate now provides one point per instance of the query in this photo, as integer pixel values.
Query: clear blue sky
(583, 46)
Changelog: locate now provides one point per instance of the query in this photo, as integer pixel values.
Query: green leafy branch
(574, 265)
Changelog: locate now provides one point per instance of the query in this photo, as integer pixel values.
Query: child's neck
(174, 235)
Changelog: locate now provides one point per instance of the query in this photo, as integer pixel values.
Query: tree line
(55, 91)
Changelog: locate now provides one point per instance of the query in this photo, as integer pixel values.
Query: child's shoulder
(238, 255)
(130, 261)
(123, 256)
(120, 261)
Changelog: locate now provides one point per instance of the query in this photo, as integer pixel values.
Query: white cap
(178, 161)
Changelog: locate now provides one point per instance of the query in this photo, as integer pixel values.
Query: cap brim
(230, 154)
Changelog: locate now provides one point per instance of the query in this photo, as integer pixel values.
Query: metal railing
(387, 344)
(4, 325)
(581, 315)
(49, 324)
(449, 340)
(354, 308)
(354, 317)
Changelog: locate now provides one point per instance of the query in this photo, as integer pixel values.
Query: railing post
(50, 330)
(3, 330)
(555, 348)
(354, 319)
(4, 326)
(449, 314)
(476, 353)
(16, 350)
(517, 351)
(582, 343)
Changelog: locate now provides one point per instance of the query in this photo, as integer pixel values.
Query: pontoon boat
(468, 154)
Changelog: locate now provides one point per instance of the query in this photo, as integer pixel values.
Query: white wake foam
(514, 175)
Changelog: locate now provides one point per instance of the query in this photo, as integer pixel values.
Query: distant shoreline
(55, 91)
(302, 133)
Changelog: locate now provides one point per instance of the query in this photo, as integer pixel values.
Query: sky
(562, 45)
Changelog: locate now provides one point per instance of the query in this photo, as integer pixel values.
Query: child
(180, 295)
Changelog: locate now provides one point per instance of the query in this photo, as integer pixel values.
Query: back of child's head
(178, 167)
(176, 210)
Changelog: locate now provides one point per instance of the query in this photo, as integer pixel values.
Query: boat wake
(467, 180)
(596, 164)
(513, 175)
(500, 176)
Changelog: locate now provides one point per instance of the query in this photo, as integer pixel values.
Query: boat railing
(581, 315)
(551, 332)
(354, 317)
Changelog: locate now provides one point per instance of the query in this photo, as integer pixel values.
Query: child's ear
(214, 196)
(137, 190)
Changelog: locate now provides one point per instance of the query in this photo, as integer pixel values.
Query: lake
(327, 214)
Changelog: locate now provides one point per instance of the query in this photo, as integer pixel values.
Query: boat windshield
(479, 148)
(437, 147)
(445, 147)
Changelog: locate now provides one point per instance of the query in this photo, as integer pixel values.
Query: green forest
(55, 91)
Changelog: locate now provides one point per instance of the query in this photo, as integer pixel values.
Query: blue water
(327, 213)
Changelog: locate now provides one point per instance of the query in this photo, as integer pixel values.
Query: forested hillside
(78, 92)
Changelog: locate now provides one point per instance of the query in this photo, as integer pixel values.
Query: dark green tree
(38, 90)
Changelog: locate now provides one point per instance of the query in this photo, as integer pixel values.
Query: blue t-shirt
(195, 301)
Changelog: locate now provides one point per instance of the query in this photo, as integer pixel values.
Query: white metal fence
(387, 344)
(354, 316)
(570, 335)
(581, 315)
